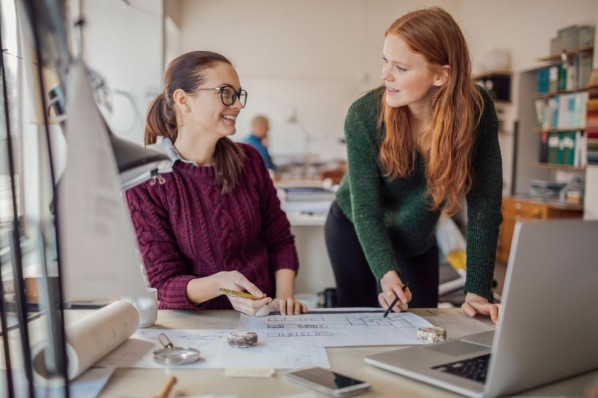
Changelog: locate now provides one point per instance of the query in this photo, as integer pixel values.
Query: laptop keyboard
(472, 368)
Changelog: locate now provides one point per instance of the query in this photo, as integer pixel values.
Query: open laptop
(548, 325)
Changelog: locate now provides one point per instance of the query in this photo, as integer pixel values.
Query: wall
(318, 57)
(524, 28)
(123, 41)
(314, 56)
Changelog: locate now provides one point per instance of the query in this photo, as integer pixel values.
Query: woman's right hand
(392, 287)
(234, 280)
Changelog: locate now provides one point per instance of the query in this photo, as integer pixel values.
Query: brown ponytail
(228, 162)
(186, 73)
(160, 121)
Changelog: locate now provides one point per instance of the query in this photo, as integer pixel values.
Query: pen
(237, 293)
(394, 302)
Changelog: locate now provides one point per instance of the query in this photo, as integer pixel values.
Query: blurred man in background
(258, 138)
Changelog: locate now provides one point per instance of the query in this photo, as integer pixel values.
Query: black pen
(394, 302)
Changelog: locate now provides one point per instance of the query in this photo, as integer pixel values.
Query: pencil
(167, 388)
(236, 293)
(394, 302)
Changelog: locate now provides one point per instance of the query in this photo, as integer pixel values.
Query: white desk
(148, 382)
(315, 271)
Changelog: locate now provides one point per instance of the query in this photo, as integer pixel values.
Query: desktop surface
(148, 382)
(132, 382)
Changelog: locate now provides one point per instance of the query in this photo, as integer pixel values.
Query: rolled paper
(88, 340)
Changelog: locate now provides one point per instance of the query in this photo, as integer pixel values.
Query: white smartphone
(328, 382)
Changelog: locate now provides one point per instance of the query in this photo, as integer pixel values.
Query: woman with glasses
(415, 146)
(215, 222)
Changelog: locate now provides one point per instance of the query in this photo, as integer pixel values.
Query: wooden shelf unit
(558, 57)
(515, 209)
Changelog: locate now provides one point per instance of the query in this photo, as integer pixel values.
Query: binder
(554, 111)
(543, 80)
(561, 148)
(553, 77)
(569, 148)
(543, 147)
(553, 147)
(562, 78)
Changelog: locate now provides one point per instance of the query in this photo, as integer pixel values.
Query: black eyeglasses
(228, 95)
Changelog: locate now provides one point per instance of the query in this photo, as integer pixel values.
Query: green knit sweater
(395, 214)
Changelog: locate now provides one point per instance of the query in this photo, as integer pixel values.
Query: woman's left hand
(475, 305)
(290, 306)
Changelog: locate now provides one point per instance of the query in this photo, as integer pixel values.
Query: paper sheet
(99, 246)
(215, 352)
(336, 328)
(88, 385)
(89, 339)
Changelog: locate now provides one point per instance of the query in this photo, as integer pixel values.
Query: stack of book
(293, 194)
(305, 199)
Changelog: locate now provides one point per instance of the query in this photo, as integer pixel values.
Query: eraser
(242, 339)
(431, 334)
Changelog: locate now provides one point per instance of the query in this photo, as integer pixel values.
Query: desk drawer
(518, 210)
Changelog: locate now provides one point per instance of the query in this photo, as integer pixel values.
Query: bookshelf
(569, 53)
(561, 99)
(498, 83)
(560, 167)
(534, 126)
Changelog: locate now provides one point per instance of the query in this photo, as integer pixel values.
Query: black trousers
(356, 285)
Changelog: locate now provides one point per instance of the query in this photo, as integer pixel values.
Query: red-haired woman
(415, 146)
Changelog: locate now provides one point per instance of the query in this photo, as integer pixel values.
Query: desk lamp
(136, 164)
(292, 118)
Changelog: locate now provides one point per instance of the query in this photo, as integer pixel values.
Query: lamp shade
(135, 163)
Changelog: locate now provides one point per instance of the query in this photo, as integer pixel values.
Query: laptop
(548, 325)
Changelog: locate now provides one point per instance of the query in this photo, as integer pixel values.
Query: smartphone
(328, 382)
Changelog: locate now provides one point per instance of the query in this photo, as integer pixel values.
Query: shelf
(539, 130)
(559, 167)
(553, 93)
(486, 75)
(557, 57)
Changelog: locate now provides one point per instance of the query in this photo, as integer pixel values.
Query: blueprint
(336, 328)
(215, 353)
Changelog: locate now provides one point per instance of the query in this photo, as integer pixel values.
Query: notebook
(548, 326)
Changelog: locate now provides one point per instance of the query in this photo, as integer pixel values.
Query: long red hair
(456, 111)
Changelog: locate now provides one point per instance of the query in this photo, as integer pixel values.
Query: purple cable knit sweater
(187, 228)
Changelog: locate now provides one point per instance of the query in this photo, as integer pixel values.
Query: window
(11, 59)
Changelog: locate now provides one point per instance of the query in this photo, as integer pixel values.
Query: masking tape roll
(242, 339)
(431, 334)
